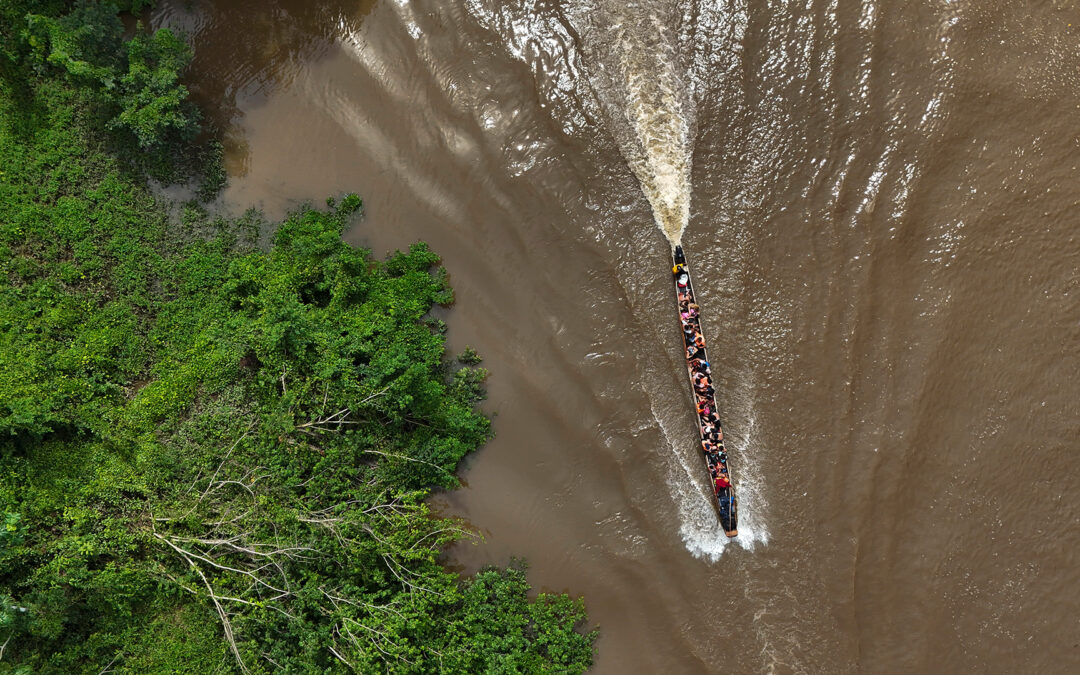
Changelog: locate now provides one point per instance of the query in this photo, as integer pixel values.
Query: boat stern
(728, 509)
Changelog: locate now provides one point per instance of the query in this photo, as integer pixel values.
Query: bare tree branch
(406, 458)
(108, 666)
(188, 554)
(390, 562)
(339, 656)
(225, 623)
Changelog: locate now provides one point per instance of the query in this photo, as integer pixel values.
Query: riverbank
(215, 454)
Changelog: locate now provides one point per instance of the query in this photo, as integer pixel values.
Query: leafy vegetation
(214, 458)
(135, 80)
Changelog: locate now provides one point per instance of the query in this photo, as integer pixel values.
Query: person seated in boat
(699, 340)
(678, 269)
(683, 279)
(692, 309)
(692, 351)
(722, 482)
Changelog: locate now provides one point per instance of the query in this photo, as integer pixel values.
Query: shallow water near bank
(880, 228)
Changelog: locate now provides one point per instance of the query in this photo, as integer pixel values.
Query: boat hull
(710, 430)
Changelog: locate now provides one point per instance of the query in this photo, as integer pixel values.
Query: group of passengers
(712, 435)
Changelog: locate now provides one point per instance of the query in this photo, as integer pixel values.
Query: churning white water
(635, 70)
(658, 110)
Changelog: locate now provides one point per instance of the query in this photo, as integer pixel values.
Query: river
(881, 226)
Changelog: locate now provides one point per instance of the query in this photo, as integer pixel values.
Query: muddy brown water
(883, 230)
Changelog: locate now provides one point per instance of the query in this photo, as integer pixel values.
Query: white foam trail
(632, 51)
(658, 110)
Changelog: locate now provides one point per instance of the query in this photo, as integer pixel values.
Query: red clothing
(722, 482)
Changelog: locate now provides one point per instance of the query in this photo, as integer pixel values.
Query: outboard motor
(728, 507)
(680, 259)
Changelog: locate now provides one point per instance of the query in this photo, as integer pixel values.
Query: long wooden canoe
(701, 387)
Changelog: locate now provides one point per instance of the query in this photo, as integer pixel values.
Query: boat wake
(659, 111)
(646, 93)
(699, 528)
(640, 84)
(637, 59)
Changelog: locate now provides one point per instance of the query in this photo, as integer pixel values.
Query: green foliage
(469, 357)
(135, 83)
(519, 636)
(81, 42)
(212, 162)
(214, 457)
(150, 96)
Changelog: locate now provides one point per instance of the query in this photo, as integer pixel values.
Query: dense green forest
(214, 456)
